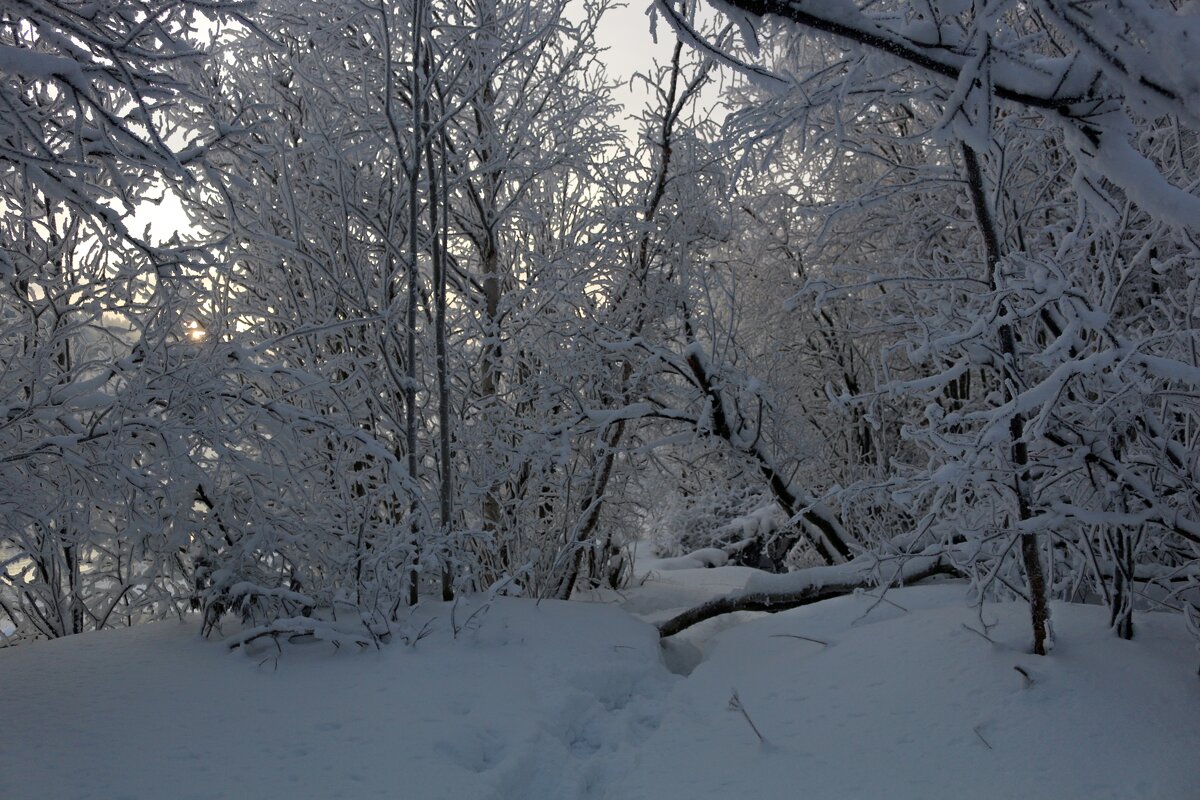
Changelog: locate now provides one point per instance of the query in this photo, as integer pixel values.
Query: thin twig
(980, 735)
(1028, 679)
(798, 636)
(735, 704)
(979, 633)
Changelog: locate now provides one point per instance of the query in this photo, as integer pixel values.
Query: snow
(698, 559)
(1116, 159)
(855, 697)
(899, 703)
(518, 705)
(24, 61)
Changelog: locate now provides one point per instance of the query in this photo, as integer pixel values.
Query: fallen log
(804, 587)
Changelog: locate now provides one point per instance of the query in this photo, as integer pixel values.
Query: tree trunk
(1039, 607)
(439, 229)
(410, 349)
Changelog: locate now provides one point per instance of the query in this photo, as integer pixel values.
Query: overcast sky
(626, 33)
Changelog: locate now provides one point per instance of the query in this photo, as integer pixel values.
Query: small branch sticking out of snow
(980, 735)
(979, 633)
(798, 636)
(296, 628)
(1028, 679)
(412, 639)
(735, 704)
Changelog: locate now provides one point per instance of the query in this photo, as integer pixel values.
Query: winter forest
(341, 322)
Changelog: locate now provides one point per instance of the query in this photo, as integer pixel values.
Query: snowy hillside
(852, 698)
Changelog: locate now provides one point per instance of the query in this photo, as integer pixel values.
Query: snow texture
(908, 696)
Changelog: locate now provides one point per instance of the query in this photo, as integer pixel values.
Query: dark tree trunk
(1030, 558)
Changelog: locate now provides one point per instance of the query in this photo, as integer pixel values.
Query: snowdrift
(909, 696)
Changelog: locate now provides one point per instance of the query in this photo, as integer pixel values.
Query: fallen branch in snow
(812, 586)
(302, 627)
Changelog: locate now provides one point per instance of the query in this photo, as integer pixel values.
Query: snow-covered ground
(852, 698)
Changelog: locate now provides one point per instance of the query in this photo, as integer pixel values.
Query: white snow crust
(855, 697)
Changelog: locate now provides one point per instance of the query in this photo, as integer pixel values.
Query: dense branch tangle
(1078, 84)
